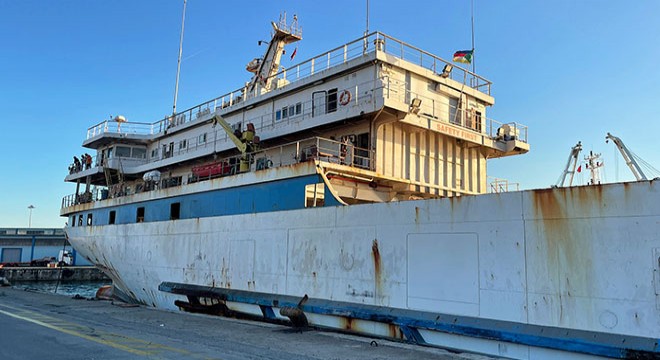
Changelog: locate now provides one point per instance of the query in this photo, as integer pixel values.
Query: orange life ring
(345, 97)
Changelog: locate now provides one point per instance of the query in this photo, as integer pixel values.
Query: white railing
(442, 110)
(328, 150)
(431, 108)
(502, 185)
(375, 41)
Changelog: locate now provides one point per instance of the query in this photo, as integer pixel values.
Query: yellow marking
(121, 342)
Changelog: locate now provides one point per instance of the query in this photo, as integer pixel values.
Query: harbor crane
(572, 158)
(628, 156)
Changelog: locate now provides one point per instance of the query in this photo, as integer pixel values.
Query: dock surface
(55, 327)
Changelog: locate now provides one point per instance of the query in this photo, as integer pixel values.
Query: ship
(349, 191)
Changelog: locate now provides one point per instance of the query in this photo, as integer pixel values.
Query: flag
(294, 53)
(579, 168)
(463, 56)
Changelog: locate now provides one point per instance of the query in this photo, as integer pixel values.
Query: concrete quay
(54, 327)
(67, 273)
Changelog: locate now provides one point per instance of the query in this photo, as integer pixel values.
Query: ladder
(108, 172)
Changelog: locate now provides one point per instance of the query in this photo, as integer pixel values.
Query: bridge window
(140, 215)
(80, 223)
(139, 153)
(73, 221)
(202, 139)
(89, 219)
(123, 151)
(111, 217)
(175, 211)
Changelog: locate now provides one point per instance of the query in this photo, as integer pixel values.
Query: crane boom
(240, 145)
(573, 157)
(628, 157)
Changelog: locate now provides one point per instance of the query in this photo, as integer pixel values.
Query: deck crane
(628, 157)
(572, 158)
(245, 141)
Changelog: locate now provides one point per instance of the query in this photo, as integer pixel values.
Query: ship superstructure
(381, 127)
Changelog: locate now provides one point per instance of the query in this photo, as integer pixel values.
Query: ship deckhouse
(373, 120)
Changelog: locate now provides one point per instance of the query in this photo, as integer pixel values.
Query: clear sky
(569, 69)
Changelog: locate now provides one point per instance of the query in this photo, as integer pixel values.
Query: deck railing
(434, 109)
(329, 150)
(370, 43)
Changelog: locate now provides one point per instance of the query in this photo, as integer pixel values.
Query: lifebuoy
(345, 97)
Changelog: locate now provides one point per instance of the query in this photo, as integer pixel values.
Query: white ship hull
(581, 258)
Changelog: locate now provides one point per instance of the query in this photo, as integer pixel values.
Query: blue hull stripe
(288, 194)
(580, 341)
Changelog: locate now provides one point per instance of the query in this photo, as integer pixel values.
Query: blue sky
(569, 69)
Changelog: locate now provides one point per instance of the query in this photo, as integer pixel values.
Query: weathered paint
(576, 258)
(361, 318)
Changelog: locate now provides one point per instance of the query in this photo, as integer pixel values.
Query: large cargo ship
(349, 191)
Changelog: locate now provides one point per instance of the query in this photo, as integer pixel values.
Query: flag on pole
(294, 53)
(463, 56)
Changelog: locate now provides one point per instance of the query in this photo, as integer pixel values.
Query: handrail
(306, 149)
(431, 108)
(375, 41)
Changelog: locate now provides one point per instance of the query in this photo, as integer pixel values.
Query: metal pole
(365, 44)
(474, 66)
(178, 63)
(367, 30)
(34, 242)
(30, 218)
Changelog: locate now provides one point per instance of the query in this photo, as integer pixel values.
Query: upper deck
(362, 47)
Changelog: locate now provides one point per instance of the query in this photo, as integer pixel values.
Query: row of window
(322, 102)
(175, 214)
(288, 111)
(314, 197)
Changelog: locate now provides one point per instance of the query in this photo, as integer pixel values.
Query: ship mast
(265, 69)
(178, 63)
(594, 167)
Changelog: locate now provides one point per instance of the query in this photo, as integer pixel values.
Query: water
(67, 288)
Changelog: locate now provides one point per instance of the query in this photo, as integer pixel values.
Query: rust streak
(566, 244)
(375, 252)
(394, 331)
(347, 323)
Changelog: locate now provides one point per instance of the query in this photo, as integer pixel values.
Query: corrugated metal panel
(430, 159)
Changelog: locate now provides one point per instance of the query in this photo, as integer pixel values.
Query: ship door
(318, 103)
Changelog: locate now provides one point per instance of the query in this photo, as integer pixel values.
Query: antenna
(474, 66)
(178, 63)
(367, 29)
(366, 32)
